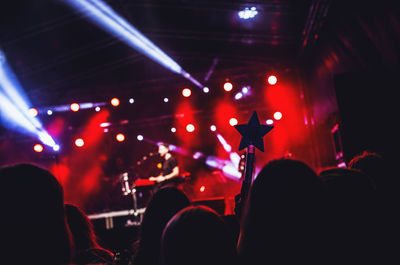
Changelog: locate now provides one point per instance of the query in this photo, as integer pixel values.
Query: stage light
(233, 121)
(105, 124)
(74, 107)
(269, 122)
(131, 100)
(228, 86)
(120, 137)
(186, 92)
(166, 100)
(190, 128)
(56, 148)
(238, 95)
(49, 112)
(38, 148)
(33, 112)
(139, 137)
(104, 16)
(115, 102)
(245, 90)
(225, 145)
(272, 80)
(202, 188)
(248, 13)
(206, 89)
(97, 109)
(45, 138)
(79, 142)
(232, 171)
(213, 128)
(277, 115)
(197, 155)
(173, 129)
(14, 107)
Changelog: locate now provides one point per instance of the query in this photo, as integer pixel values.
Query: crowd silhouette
(292, 215)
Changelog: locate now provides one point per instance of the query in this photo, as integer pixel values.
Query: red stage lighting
(272, 80)
(186, 92)
(202, 188)
(79, 142)
(33, 112)
(38, 148)
(190, 128)
(233, 121)
(74, 107)
(115, 102)
(120, 137)
(277, 115)
(228, 86)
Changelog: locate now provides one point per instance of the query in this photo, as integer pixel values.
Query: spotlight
(272, 80)
(197, 155)
(131, 100)
(233, 121)
(228, 86)
(33, 112)
(74, 107)
(140, 137)
(105, 17)
(120, 137)
(245, 90)
(79, 142)
(213, 128)
(186, 92)
(269, 122)
(173, 129)
(49, 112)
(38, 148)
(202, 188)
(238, 95)
(248, 13)
(166, 100)
(190, 128)
(56, 148)
(115, 102)
(277, 115)
(206, 89)
(227, 147)
(14, 110)
(105, 124)
(97, 109)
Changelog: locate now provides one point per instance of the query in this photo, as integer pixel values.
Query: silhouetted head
(81, 228)
(32, 202)
(373, 165)
(162, 206)
(197, 235)
(283, 214)
(87, 249)
(353, 217)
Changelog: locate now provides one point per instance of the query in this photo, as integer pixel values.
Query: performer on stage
(169, 169)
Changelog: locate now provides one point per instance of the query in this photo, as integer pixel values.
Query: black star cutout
(253, 133)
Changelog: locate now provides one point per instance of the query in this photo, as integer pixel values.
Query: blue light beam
(105, 17)
(14, 107)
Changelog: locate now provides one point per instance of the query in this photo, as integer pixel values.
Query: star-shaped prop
(253, 133)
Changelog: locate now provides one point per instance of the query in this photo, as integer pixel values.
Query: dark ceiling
(59, 55)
